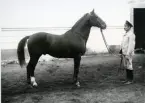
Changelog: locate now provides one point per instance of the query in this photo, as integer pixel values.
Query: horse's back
(66, 46)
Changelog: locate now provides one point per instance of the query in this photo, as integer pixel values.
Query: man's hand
(120, 52)
(127, 56)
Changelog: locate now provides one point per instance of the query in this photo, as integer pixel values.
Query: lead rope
(106, 43)
(119, 69)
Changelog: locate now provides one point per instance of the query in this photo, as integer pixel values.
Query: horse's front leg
(76, 70)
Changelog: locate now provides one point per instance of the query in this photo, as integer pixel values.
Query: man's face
(126, 27)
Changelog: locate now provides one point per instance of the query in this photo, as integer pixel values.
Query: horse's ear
(92, 11)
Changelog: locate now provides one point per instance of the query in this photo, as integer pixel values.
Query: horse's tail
(21, 51)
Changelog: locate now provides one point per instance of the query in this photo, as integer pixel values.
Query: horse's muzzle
(104, 26)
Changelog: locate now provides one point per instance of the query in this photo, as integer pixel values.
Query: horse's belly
(65, 52)
(61, 53)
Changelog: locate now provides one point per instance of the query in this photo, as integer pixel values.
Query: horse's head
(96, 20)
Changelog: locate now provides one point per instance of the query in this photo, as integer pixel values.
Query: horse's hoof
(78, 84)
(34, 85)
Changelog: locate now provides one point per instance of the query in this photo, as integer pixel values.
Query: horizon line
(45, 28)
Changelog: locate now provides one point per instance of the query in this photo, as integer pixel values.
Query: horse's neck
(82, 27)
(83, 31)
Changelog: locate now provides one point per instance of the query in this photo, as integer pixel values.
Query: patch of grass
(11, 54)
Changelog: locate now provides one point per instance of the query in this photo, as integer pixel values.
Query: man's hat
(128, 23)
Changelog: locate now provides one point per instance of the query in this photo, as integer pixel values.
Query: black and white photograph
(72, 51)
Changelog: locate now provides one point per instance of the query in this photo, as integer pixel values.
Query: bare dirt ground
(98, 78)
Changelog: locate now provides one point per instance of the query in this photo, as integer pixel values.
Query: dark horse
(71, 44)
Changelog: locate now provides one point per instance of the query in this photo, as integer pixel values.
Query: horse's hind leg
(30, 69)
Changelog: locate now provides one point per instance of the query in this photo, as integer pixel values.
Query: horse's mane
(79, 21)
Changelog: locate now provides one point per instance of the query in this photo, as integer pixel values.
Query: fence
(10, 37)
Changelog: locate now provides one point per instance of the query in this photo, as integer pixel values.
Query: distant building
(137, 18)
(114, 48)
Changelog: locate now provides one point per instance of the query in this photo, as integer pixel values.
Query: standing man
(127, 51)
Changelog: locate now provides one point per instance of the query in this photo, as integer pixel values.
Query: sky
(60, 13)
